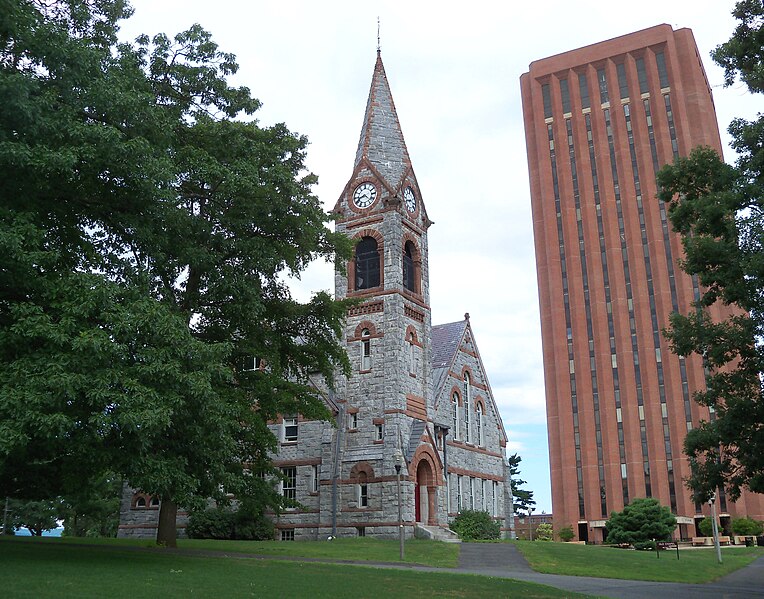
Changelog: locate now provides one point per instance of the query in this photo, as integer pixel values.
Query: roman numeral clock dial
(364, 195)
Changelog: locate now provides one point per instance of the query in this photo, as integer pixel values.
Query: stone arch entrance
(425, 494)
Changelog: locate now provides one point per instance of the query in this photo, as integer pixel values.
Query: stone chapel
(417, 393)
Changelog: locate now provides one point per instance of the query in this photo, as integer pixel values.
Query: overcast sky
(454, 70)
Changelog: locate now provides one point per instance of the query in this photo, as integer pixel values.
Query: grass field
(53, 569)
(426, 553)
(693, 566)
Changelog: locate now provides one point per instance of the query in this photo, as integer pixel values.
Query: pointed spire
(382, 142)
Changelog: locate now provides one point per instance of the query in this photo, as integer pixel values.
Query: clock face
(410, 199)
(364, 195)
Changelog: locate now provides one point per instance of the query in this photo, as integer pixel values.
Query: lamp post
(530, 523)
(399, 461)
(712, 503)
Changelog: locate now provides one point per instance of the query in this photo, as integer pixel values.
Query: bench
(696, 541)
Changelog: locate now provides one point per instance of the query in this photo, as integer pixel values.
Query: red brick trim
(462, 445)
(376, 235)
(411, 330)
(455, 391)
(474, 473)
(355, 222)
(304, 462)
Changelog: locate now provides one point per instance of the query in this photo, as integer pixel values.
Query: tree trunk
(167, 531)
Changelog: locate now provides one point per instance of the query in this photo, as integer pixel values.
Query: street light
(399, 462)
(712, 503)
(530, 523)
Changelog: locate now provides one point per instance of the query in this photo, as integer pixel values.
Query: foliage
(747, 526)
(706, 527)
(475, 525)
(35, 516)
(566, 534)
(146, 235)
(644, 519)
(545, 532)
(242, 523)
(94, 510)
(718, 210)
(522, 499)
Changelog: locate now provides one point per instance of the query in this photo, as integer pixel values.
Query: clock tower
(388, 396)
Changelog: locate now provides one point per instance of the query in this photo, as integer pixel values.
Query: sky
(454, 70)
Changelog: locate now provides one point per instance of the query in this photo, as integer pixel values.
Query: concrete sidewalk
(494, 559)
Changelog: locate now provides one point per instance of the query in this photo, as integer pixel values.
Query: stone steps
(436, 533)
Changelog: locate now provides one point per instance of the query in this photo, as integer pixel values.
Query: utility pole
(712, 502)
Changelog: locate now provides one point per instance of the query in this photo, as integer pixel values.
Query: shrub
(645, 546)
(747, 527)
(472, 525)
(706, 527)
(641, 521)
(229, 524)
(566, 534)
(544, 532)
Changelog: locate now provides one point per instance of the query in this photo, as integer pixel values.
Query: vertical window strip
(653, 309)
(669, 253)
(642, 76)
(565, 94)
(566, 302)
(660, 59)
(608, 300)
(588, 312)
(602, 81)
(629, 303)
(623, 84)
(546, 95)
(583, 91)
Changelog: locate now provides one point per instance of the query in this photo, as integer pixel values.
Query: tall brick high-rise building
(600, 122)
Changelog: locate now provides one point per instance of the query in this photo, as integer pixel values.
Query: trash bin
(760, 541)
(749, 542)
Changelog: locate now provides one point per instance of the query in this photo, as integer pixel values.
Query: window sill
(352, 430)
(288, 443)
(379, 442)
(364, 371)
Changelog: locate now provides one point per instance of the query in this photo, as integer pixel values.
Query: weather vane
(378, 47)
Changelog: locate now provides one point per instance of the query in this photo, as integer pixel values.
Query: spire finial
(378, 46)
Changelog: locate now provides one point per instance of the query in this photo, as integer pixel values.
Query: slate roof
(381, 141)
(445, 343)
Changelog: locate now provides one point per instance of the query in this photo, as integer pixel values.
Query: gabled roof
(446, 341)
(381, 142)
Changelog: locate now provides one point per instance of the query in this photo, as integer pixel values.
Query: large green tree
(719, 211)
(147, 224)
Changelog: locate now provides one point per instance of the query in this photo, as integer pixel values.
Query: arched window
(154, 501)
(365, 350)
(455, 410)
(140, 502)
(412, 353)
(409, 271)
(479, 423)
(467, 410)
(363, 490)
(367, 264)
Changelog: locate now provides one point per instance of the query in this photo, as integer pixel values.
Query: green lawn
(427, 553)
(48, 569)
(694, 565)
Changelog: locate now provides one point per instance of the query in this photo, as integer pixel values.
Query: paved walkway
(505, 561)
